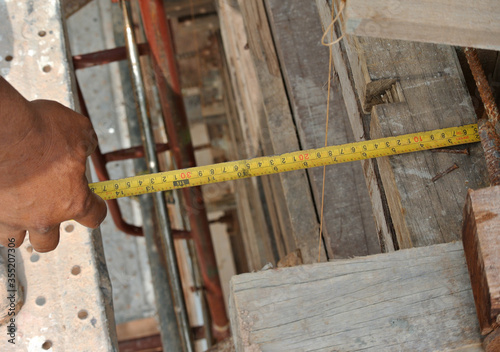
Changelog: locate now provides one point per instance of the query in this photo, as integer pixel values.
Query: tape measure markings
(232, 170)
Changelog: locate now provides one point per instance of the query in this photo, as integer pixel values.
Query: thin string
(330, 65)
(330, 26)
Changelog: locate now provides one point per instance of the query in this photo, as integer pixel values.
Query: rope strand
(330, 26)
(330, 66)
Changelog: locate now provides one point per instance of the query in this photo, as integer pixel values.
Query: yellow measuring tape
(234, 170)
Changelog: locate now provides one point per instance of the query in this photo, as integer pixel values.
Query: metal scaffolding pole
(166, 243)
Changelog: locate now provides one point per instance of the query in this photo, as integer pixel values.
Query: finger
(44, 240)
(9, 237)
(94, 212)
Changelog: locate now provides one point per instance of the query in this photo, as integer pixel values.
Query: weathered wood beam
(481, 241)
(413, 300)
(245, 128)
(348, 225)
(455, 22)
(430, 93)
(410, 87)
(267, 117)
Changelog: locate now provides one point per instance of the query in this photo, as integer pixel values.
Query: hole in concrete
(34, 257)
(42, 33)
(40, 301)
(47, 345)
(75, 270)
(83, 314)
(9, 58)
(47, 68)
(69, 228)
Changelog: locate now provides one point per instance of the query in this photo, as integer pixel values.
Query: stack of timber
(414, 299)
(394, 87)
(278, 74)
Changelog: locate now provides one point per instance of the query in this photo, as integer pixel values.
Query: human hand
(42, 174)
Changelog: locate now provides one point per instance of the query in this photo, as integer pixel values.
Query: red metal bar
(105, 56)
(203, 146)
(159, 38)
(153, 342)
(149, 343)
(132, 153)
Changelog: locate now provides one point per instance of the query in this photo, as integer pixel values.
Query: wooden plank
(482, 251)
(349, 228)
(430, 94)
(255, 229)
(282, 131)
(455, 22)
(254, 123)
(269, 113)
(413, 300)
(358, 125)
(243, 76)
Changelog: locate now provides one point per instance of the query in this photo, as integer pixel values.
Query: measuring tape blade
(234, 170)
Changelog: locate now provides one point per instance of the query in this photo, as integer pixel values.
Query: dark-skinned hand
(42, 171)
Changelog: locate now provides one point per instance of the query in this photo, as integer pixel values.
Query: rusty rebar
(487, 132)
(491, 145)
(482, 84)
(132, 152)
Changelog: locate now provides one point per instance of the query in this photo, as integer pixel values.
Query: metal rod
(490, 140)
(160, 41)
(482, 85)
(159, 201)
